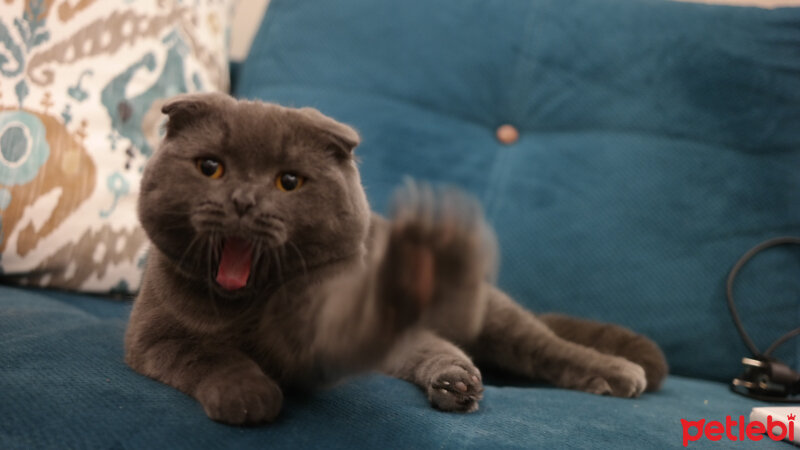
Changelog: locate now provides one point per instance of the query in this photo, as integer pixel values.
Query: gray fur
(334, 289)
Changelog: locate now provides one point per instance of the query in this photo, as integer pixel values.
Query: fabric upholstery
(658, 142)
(63, 384)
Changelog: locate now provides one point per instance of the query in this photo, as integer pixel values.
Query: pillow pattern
(81, 86)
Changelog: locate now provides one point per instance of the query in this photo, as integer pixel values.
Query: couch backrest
(658, 142)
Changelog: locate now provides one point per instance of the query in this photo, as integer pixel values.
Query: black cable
(781, 340)
(790, 393)
(784, 240)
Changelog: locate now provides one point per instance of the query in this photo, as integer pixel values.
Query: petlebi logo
(737, 430)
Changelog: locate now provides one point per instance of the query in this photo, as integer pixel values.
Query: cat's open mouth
(234, 265)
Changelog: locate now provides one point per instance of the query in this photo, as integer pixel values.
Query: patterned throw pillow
(81, 88)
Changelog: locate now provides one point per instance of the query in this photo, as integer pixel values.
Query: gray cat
(268, 271)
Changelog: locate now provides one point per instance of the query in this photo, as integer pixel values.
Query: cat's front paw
(241, 400)
(615, 376)
(456, 388)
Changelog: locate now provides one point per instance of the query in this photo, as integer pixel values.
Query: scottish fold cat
(268, 271)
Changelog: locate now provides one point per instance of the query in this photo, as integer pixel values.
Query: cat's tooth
(446, 383)
(444, 391)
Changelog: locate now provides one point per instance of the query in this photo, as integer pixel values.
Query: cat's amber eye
(210, 167)
(288, 181)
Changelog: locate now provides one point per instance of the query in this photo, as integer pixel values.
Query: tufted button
(507, 134)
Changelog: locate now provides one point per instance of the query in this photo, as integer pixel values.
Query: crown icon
(790, 416)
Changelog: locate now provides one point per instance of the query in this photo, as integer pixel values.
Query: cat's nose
(242, 201)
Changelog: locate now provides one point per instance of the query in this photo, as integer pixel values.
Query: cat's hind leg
(513, 339)
(613, 340)
(446, 374)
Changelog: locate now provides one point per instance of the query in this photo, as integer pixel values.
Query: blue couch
(658, 141)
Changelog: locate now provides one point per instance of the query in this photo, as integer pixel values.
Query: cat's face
(242, 193)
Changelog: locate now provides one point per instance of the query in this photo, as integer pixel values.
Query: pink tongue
(234, 266)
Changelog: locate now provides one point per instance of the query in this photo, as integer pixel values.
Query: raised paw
(245, 400)
(614, 376)
(440, 252)
(456, 388)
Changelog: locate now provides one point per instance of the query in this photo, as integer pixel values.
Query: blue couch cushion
(659, 141)
(63, 384)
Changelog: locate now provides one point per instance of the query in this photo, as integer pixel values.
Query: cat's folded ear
(186, 109)
(344, 137)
